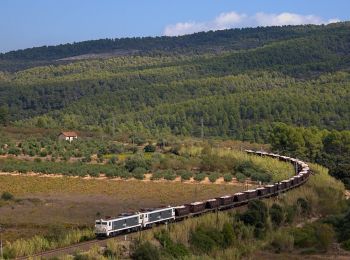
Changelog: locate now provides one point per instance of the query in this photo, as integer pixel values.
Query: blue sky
(28, 23)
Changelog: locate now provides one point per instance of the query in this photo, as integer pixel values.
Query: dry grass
(76, 201)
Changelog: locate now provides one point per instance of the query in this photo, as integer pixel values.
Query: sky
(30, 23)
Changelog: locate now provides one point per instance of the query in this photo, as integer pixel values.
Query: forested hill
(240, 83)
(203, 42)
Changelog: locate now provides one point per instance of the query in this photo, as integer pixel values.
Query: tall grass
(37, 244)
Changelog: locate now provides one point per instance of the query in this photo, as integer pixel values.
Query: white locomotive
(132, 222)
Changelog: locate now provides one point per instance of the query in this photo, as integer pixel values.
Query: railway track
(302, 173)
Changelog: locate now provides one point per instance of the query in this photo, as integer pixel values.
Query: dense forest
(239, 83)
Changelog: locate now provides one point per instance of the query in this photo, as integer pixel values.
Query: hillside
(240, 83)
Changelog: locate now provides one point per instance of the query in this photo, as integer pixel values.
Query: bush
(346, 245)
(316, 235)
(145, 251)
(186, 175)
(43, 153)
(157, 175)
(113, 160)
(171, 249)
(139, 173)
(282, 242)
(200, 176)
(149, 148)
(136, 161)
(256, 216)
(169, 175)
(290, 213)
(213, 177)
(304, 206)
(240, 177)
(276, 214)
(14, 151)
(7, 196)
(201, 241)
(228, 177)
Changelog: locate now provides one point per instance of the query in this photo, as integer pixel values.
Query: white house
(68, 136)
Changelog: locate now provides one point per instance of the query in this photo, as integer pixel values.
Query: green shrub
(228, 177)
(157, 175)
(7, 196)
(171, 249)
(149, 148)
(290, 212)
(14, 151)
(240, 177)
(145, 251)
(200, 176)
(316, 235)
(276, 214)
(304, 206)
(201, 242)
(282, 241)
(139, 173)
(43, 153)
(186, 175)
(169, 175)
(113, 160)
(213, 177)
(256, 216)
(346, 245)
(137, 161)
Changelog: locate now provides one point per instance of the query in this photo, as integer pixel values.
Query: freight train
(147, 218)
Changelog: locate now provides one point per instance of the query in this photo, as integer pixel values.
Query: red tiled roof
(69, 134)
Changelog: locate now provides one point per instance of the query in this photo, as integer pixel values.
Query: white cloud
(236, 20)
(221, 22)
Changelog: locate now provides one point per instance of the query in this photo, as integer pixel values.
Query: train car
(197, 207)
(124, 222)
(251, 194)
(152, 216)
(286, 184)
(271, 188)
(182, 211)
(292, 181)
(239, 197)
(212, 204)
(262, 191)
(225, 200)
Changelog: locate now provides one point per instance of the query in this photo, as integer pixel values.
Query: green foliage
(139, 173)
(7, 196)
(276, 214)
(256, 216)
(145, 251)
(169, 248)
(240, 177)
(346, 245)
(249, 169)
(200, 176)
(136, 161)
(213, 176)
(149, 148)
(169, 175)
(228, 177)
(315, 235)
(304, 206)
(185, 175)
(282, 241)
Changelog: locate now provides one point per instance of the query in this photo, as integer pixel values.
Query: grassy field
(42, 201)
